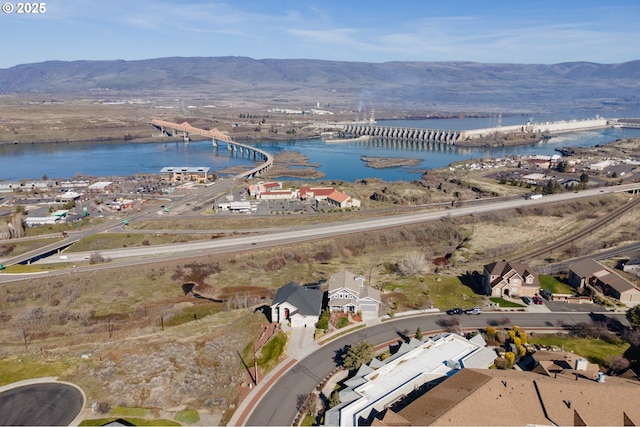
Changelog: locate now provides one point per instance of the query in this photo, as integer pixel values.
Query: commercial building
(185, 173)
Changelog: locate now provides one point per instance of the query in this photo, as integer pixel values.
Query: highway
(148, 254)
(278, 405)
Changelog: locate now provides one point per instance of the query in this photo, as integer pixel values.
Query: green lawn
(129, 412)
(188, 416)
(595, 351)
(421, 291)
(555, 285)
(504, 303)
(12, 370)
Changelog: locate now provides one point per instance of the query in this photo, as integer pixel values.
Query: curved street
(278, 404)
(40, 404)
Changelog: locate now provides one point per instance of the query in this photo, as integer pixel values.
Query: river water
(338, 161)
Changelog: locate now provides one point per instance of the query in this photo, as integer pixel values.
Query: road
(40, 404)
(150, 254)
(300, 234)
(278, 405)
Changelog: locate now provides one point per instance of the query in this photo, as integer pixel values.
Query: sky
(489, 31)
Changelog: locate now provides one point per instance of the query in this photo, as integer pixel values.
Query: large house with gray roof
(299, 305)
(348, 293)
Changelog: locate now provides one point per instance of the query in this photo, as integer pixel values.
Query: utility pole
(255, 362)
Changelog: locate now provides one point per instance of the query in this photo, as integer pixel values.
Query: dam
(351, 132)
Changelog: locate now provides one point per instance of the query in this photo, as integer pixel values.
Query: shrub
(342, 322)
(188, 416)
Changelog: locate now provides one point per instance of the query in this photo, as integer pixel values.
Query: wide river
(338, 161)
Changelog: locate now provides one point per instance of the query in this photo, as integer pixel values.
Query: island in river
(389, 162)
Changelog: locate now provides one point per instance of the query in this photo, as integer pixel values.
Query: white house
(348, 293)
(300, 305)
(415, 365)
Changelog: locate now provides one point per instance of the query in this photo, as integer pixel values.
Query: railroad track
(600, 222)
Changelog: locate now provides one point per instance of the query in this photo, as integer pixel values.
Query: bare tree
(307, 403)
(413, 263)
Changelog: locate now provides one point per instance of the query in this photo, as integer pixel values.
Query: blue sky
(514, 31)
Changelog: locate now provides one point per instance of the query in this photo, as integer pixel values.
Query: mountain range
(419, 85)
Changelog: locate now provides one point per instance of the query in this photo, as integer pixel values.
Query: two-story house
(347, 292)
(509, 278)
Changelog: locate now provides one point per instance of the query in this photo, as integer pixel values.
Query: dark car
(545, 293)
(454, 311)
(537, 300)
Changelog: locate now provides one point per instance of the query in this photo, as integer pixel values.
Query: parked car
(527, 300)
(454, 311)
(546, 294)
(474, 310)
(537, 300)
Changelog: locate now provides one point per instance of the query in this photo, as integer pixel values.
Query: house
(348, 293)
(589, 272)
(342, 200)
(416, 365)
(475, 397)
(299, 305)
(509, 278)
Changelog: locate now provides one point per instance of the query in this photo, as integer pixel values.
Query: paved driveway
(41, 404)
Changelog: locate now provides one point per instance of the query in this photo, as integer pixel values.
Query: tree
(633, 316)
(307, 403)
(419, 333)
(511, 359)
(491, 332)
(618, 364)
(356, 355)
(584, 178)
(413, 263)
(334, 399)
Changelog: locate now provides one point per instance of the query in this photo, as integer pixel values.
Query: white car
(65, 257)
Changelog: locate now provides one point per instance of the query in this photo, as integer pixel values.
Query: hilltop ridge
(442, 86)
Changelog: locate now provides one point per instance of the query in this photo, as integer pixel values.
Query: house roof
(523, 398)
(308, 301)
(315, 191)
(353, 283)
(587, 268)
(506, 268)
(592, 268)
(345, 279)
(338, 197)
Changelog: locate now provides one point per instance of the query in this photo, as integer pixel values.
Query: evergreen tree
(361, 353)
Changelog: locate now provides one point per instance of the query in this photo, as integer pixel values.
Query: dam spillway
(403, 134)
(454, 137)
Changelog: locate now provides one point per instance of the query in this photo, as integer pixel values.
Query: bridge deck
(216, 135)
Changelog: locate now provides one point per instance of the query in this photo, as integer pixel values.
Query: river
(337, 161)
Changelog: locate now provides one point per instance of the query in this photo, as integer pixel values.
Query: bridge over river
(184, 130)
